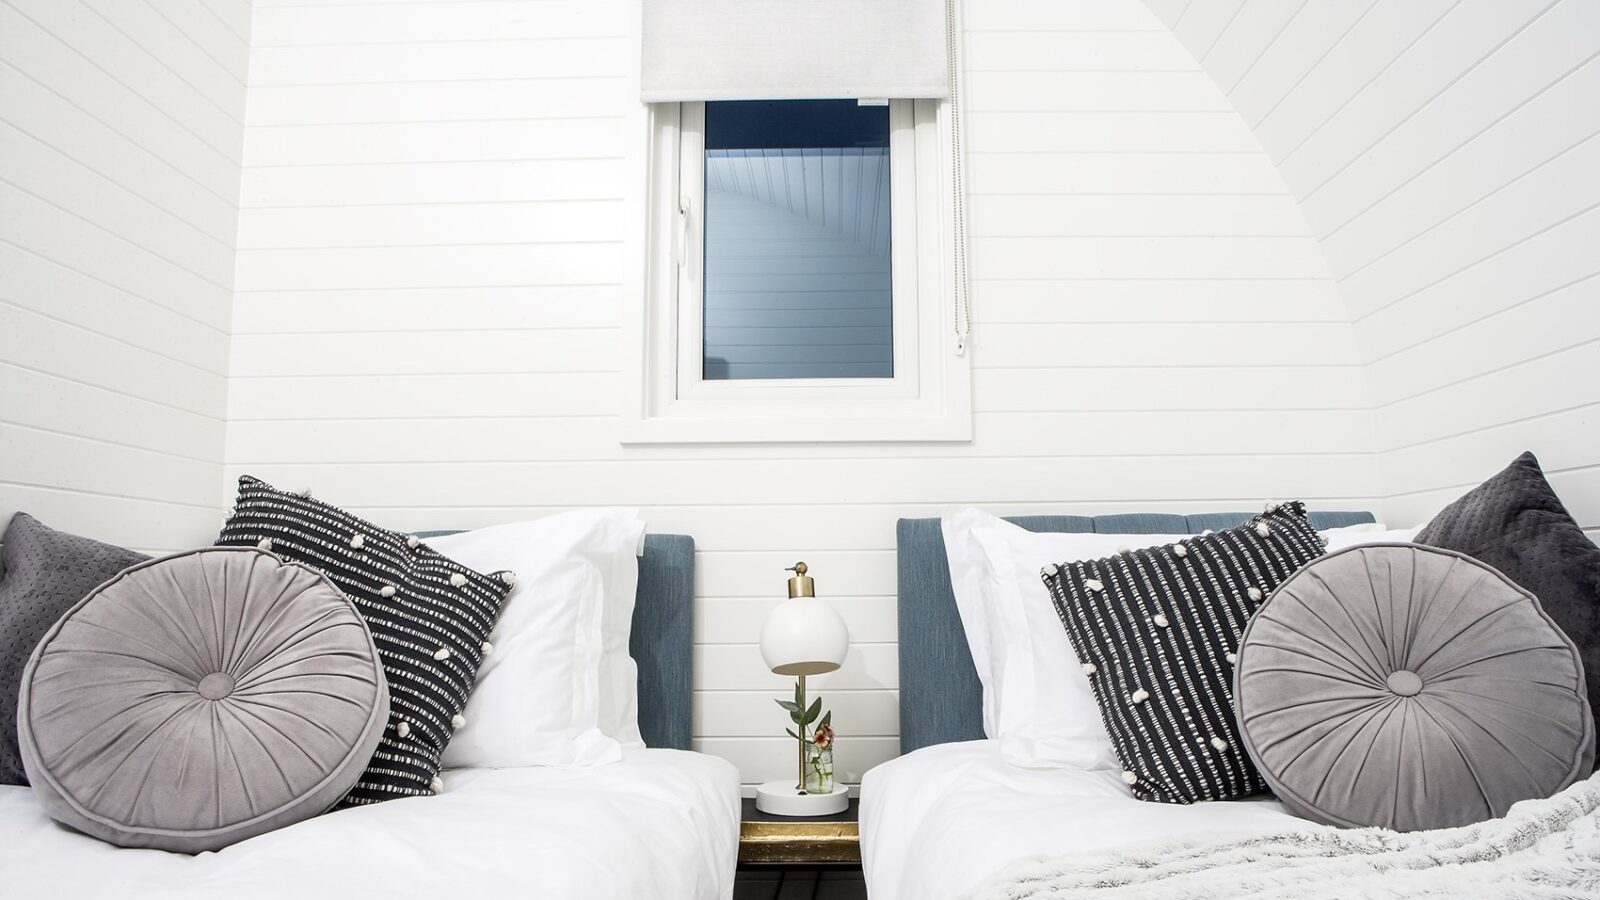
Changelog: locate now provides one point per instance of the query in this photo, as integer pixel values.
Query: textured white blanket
(1540, 849)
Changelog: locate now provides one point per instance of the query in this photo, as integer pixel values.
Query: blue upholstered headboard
(941, 699)
(663, 638)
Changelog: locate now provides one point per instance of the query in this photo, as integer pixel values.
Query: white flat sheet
(659, 824)
(937, 823)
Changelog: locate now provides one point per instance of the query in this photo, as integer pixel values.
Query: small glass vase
(819, 769)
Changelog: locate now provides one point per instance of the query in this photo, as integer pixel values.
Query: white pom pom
(1220, 743)
(1050, 571)
(457, 720)
(1255, 594)
(509, 579)
(264, 544)
(1180, 550)
(402, 729)
(436, 784)
(386, 591)
(1323, 539)
(458, 580)
(1232, 658)
(1090, 668)
(1262, 529)
(1124, 550)
(412, 541)
(442, 654)
(1130, 777)
(1139, 696)
(1207, 533)
(488, 648)
(303, 493)
(357, 542)
(1093, 584)
(1271, 506)
(1160, 620)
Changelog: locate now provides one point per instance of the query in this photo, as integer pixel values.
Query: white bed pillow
(619, 674)
(1369, 533)
(538, 696)
(1044, 712)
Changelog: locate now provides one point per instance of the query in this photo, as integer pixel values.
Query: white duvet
(938, 823)
(659, 824)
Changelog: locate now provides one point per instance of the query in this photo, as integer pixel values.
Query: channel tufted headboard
(941, 699)
(662, 642)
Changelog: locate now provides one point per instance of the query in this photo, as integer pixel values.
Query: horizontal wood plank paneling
(1445, 154)
(429, 295)
(121, 127)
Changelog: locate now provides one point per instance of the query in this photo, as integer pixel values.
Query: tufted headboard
(662, 641)
(941, 699)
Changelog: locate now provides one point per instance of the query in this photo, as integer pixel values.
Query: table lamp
(803, 636)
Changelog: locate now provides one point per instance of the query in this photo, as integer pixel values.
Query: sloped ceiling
(1446, 154)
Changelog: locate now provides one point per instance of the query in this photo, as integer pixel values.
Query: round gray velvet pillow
(1409, 687)
(200, 699)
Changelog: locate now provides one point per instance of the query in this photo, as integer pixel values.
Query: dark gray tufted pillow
(200, 699)
(1409, 687)
(43, 572)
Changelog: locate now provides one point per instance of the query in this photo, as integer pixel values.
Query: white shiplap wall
(121, 126)
(427, 317)
(1447, 156)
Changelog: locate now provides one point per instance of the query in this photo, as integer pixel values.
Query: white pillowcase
(619, 674)
(539, 692)
(1368, 533)
(1037, 701)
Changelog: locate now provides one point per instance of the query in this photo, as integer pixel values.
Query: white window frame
(667, 399)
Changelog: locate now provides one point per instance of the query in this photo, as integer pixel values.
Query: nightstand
(787, 856)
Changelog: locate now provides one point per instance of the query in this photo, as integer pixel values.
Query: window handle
(683, 230)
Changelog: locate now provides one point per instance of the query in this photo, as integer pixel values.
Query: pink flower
(823, 736)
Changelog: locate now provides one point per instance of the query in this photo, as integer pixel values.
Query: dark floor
(799, 884)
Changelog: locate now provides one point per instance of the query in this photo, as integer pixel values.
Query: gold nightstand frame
(773, 841)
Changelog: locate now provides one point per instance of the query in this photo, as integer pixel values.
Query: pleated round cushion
(200, 699)
(1409, 687)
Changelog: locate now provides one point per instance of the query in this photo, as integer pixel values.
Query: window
(797, 278)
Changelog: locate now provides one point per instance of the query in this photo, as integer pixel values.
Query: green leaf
(791, 707)
(792, 734)
(795, 717)
(813, 712)
(797, 695)
(827, 718)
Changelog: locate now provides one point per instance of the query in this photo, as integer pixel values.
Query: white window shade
(793, 49)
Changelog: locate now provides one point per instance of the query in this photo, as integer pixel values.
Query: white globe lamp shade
(804, 636)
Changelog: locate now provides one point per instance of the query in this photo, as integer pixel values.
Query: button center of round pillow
(216, 685)
(1404, 683)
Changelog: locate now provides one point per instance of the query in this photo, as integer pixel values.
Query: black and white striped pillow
(429, 616)
(1156, 631)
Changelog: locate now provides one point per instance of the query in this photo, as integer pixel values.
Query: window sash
(689, 253)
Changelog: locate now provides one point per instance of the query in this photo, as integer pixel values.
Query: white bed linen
(658, 824)
(937, 823)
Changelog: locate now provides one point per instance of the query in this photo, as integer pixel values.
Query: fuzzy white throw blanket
(1540, 849)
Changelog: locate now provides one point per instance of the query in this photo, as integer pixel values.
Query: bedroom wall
(426, 327)
(121, 126)
(1447, 157)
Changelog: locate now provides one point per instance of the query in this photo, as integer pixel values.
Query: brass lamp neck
(801, 585)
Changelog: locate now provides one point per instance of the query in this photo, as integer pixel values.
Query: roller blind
(793, 49)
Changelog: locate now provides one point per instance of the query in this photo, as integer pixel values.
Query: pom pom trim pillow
(1156, 632)
(430, 618)
(200, 699)
(1410, 687)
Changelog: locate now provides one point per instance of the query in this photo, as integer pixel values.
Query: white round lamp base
(779, 798)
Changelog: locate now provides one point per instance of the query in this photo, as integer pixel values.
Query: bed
(949, 813)
(663, 822)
